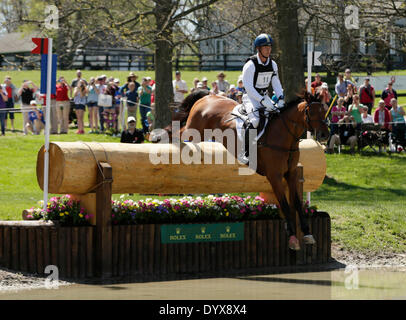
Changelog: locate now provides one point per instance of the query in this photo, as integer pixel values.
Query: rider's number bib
(263, 80)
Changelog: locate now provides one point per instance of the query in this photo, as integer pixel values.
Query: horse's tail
(187, 104)
(183, 111)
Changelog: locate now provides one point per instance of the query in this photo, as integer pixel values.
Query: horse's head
(315, 114)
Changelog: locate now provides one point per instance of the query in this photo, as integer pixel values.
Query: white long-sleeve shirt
(248, 73)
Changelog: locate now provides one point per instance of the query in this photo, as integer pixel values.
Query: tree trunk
(290, 46)
(163, 64)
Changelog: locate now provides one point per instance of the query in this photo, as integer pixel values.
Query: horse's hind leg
(278, 189)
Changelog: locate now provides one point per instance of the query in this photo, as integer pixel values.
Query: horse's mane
(303, 96)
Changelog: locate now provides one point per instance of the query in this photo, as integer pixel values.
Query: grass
(364, 195)
(366, 198)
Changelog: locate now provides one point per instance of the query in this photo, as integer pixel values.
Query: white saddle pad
(239, 123)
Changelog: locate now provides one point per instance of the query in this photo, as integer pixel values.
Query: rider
(259, 71)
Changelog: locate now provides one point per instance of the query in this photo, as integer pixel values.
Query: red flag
(42, 46)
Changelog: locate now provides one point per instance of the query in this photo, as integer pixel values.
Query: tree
(290, 41)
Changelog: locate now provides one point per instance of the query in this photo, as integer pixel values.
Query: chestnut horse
(278, 147)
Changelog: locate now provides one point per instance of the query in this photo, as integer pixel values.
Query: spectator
(109, 111)
(151, 118)
(349, 96)
(75, 82)
(342, 85)
(3, 100)
(101, 86)
(54, 112)
(346, 135)
(179, 88)
(27, 94)
(215, 89)
(367, 95)
(204, 81)
(132, 134)
(232, 93)
(63, 104)
(239, 97)
(366, 118)
(36, 120)
(132, 100)
(80, 100)
(240, 85)
(398, 119)
(348, 77)
(355, 110)
(132, 77)
(195, 83)
(12, 98)
(382, 117)
(92, 98)
(337, 113)
(324, 94)
(388, 94)
(144, 92)
(152, 85)
(117, 97)
(317, 82)
(222, 85)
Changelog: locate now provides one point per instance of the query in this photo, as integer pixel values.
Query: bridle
(297, 139)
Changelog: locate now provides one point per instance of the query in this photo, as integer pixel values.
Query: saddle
(243, 115)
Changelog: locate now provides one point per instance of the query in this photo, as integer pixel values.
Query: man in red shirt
(317, 83)
(367, 95)
(62, 100)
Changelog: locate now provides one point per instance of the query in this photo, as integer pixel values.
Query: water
(375, 283)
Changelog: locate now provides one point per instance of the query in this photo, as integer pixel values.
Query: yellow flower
(80, 215)
(61, 214)
(66, 213)
(227, 214)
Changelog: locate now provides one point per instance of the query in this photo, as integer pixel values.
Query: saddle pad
(239, 126)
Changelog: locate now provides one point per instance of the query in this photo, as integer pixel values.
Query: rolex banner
(202, 232)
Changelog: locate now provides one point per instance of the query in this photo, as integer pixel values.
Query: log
(73, 168)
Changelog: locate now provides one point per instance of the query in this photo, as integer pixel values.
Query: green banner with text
(182, 233)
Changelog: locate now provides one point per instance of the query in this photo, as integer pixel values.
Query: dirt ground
(16, 281)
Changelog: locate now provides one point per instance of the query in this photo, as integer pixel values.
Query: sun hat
(130, 119)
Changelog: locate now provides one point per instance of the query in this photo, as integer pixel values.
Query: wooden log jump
(73, 168)
(108, 251)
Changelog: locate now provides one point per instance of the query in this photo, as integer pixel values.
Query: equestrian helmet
(263, 40)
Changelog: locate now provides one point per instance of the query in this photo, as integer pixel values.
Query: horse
(278, 147)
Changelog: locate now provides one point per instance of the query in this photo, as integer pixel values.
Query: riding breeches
(252, 106)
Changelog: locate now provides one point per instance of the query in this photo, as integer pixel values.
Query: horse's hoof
(294, 243)
(308, 239)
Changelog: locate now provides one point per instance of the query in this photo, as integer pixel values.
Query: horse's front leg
(295, 199)
(278, 189)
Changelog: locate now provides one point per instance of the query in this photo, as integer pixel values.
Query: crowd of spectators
(354, 107)
(103, 98)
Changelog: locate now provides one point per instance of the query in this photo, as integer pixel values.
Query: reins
(297, 139)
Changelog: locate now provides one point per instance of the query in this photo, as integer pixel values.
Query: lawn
(365, 195)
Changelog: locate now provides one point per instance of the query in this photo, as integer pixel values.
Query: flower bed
(185, 210)
(63, 209)
(189, 209)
